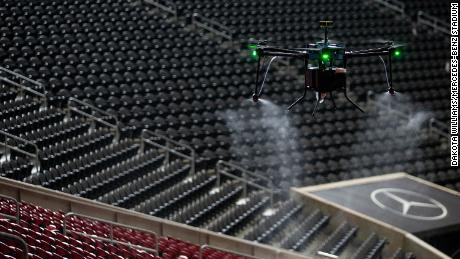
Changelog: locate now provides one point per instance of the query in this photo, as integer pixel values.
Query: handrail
(17, 208)
(35, 155)
(164, 5)
(212, 26)
(439, 128)
(167, 146)
(112, 224)
(387, 104)
(394, 5)
(203, 247)
(27, 89)
(19, 240)
(220, 164)
(435, 23)
(221, 171)
(40, 85)
(327, 255)
(435, 126)
(92, 117)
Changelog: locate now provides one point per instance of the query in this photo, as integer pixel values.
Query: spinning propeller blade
(391, 43)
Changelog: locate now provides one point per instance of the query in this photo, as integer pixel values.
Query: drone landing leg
(300, 98)
(348, 98)
(333, 102)
(315, 108)
(305, 87)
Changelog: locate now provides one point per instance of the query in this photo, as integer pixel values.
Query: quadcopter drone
(325, 65)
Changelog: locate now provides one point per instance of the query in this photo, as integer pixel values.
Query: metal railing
(111, 224)
(212, 26)
(16, 217)
(165, 5)
(17, 80)
(326, 255)
(22, 79)
(394, 108)
(204, 247)
(434, 125)
(92, 117)
(433, 22)
(439, 128)
(18, 240)
(170, 146)
(226, 168)
(7, 148)
(394, 5)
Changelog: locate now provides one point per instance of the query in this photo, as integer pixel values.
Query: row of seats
(155, 73)
(174, 248)
(100, 183)
(73, 170)
(305, 231)
(74, 147)
(135, 178)
(439, 10)
(163, 203)
(16, 169)
(173, 80)
(201, 210)
(370, 247)
(233, 218)
(266, 229)
(236, 217)
(146, 186)
(424, 62)
(338, 239)
(42, 230)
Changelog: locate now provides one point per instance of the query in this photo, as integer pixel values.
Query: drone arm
(281, 52)
(376, 52)
(270, 53)
(370, 53)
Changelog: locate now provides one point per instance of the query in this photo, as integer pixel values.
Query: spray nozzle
(391, 91)
(255, 98)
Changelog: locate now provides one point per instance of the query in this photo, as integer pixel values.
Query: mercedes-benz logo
(409, 204)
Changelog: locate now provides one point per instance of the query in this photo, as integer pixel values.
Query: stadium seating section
(42, 229)
(158, 73)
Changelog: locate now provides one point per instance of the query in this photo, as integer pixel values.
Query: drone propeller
(379, 41)
(329, 41)
(390, 43)
(257, 41)
(398, 45)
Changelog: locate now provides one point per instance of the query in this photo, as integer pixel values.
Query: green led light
(254, 53)
(252, 46)
(325, 56)
(397, 53)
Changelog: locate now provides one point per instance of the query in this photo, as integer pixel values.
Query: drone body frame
(325, 66)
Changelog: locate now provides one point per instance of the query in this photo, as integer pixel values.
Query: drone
(325, 65)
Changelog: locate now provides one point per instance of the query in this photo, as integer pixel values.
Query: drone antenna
(325, 25)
